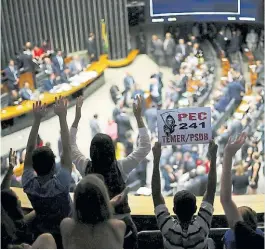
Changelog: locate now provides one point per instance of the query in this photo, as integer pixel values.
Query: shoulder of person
(117, 224)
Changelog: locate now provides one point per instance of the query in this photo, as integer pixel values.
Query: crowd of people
(42, 60)
(100, 205)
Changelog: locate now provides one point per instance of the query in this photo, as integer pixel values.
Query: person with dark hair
(254, 177)
(93, 218)
(11, 75)
(250, 219)
(103, 161)
(58, 63)
(245, 236)
(185, 231)
(48, 192)
(91, 48)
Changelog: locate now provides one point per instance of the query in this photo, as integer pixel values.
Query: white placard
(184, 126)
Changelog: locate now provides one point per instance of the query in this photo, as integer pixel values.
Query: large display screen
(206, 10)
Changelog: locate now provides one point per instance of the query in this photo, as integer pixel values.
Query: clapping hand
(118, 199)
(232, 147)
(212, 150)
(79, 104)
(157, 151)
(60, 107)
(12, 159)
(39, 110)
(137, 107)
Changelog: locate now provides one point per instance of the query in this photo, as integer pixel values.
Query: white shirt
(166, 44)
(60, 60)
(130, 162)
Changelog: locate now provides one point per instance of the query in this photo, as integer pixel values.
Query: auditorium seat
(150, 240)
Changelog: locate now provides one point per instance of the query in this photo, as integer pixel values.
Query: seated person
(48, 67)
(92, 218)
(50, 83)
(65, 76)
(26, 92)
(37, 53)
(185, 232)
(14, 98)
(250, 218)
(77, 65)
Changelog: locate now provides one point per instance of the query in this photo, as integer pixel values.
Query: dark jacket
(49, 84)
(56, 66)
(170, 49)
(234, 90)
(124, 124)
(10, 77)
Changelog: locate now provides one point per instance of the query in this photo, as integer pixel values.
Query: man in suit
(91, 48)
(221, 41)
(169, 49)
(236, 91)
(233, 47)
(181, 48)
(251, 40)
(177, 63)
(157, 50)
(50, 83)
(151, 118)
(94, 126)
(128, 83)
(124, 125)
(77, 65)
(26, 92)
(58, 63)
(12, 76)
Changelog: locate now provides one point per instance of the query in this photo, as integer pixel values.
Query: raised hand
(157, 150)
(39, 110)
(60, 106)
(137, 107)
(78, 107)
(118, 199)
(212, 150)
(232, 147)
(12, 159)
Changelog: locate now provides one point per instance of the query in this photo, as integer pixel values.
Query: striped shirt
(196, 235)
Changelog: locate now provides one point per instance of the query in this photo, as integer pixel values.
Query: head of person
(192, 38)
(26, 85)
(28, 46)
(154, 37)
(76, 58)
(221, 32)
(184, 205)
(102, 153)
(240, 169)
(43, 161)
(47, 60)
(91, 35)
(14, 93)
(168, 35)
(11, 63)
(258, 62)
(170, 120)
(247, 238)
(11, 204)
(195, 45)
(59, 52)
(187, 156)
(181, 41)
(95, 116)
(200, 170)
(52, 76)
(48, 144)
(44, 42)
(179, 156)
(67, 71)
(91, 201)
(249, 216)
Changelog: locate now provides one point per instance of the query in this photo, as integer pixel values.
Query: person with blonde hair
(93, 225)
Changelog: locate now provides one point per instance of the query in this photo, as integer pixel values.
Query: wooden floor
(141, 205)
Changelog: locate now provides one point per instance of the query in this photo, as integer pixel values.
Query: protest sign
(184, 126)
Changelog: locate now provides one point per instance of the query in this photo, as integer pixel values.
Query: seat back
(150, 239)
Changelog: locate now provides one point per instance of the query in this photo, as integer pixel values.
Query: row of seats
(153, 239)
